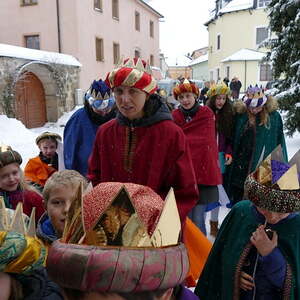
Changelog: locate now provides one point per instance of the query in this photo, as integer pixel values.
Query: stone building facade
(36, 90)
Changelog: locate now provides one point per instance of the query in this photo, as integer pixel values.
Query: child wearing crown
(256, 253)
(220, 104)
(41, 167)
(198, 124)
(13, 187)
(81, 128)
(118, 245)
(258, 131)
(143, 145)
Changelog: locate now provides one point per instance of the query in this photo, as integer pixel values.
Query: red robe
(200, 133)
(156, 156)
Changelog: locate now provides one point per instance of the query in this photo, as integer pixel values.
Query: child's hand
(262, 242)
(228, 159)
(246, 282)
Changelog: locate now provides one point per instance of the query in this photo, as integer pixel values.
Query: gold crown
(135, 63)
(134, 232)
(220, 89)
(16, 220)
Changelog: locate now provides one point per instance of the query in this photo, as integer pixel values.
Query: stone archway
(48, 112)
(30, 101)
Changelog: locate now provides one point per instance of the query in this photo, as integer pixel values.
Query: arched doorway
(30, 101)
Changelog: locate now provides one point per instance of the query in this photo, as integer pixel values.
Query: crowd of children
(115, 237)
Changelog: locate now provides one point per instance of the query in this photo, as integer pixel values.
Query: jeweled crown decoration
(16, 220)
(219, 89)
(132, 72)
(121, 223)
(255, 96)
(186, 87)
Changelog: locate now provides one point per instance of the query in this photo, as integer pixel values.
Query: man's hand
(246, 282)
(262, 242)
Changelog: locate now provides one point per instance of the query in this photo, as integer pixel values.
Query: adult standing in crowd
(220, 104)
(235, 87)
(80, 130)
(203, 93)
(198, 124)
(143, 145)
(258, 131)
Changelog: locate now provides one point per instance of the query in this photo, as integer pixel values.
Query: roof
(244, 54)
(151, 8)
(156, 72)
(236, 5)
(199, 60)
(33, 54)
(233, 5)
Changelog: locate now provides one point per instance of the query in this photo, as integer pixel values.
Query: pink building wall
(80, 24)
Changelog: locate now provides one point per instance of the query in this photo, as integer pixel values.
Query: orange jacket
(38, 171)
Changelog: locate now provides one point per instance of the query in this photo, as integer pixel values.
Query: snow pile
(22, 139)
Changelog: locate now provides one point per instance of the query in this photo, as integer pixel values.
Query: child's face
(48, 147)
(220, 101)
(10, 177)
(58, 205)
(187, 100)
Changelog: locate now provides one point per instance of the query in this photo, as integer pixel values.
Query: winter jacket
(29, 199)
(151, 151)
(200, 133)
(79, 135)
(45, 230)
(38, 171)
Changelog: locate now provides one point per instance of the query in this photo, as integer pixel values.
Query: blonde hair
(65, 177)
(263, 117)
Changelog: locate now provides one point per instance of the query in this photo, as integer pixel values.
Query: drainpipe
(58, 26)
(245, 85)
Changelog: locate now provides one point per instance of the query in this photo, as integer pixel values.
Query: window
(228, 72)
(32, 41)
(218, 75)
(115, 9)
(265, 73)
(116, 49)
(151, 60)
(151, 24)
(98, 5)
(28, 2)
(262, 33)
(137, 54)
(137, 21)
(263, 3)
(218, 42)
(99, 50)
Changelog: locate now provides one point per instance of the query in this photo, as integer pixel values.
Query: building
(199, 68)
(237, 29)
(96, 32)
(36, 86)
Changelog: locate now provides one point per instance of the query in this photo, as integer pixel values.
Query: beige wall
(237, 30)
(80, 25)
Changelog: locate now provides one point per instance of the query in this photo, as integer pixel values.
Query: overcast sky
(182, 30)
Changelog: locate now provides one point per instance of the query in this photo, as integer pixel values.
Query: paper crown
(120, 241)
(185, 87)
(274, 186)
(9, 156)
(255, 97)
(219, 89)
(21, 251)
(133, 73)
(48, 135)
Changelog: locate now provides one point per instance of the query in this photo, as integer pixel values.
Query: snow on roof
(199, 60)
(244, 54)
(236, 5)
(33, 54)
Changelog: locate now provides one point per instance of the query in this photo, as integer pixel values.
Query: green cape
(217, 281)
(267, 138)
